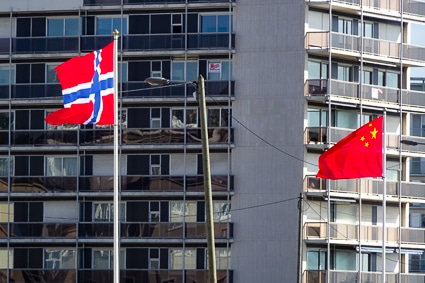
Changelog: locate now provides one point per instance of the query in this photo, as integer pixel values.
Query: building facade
(285, 80)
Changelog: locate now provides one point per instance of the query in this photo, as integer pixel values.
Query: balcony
(135, 230)
(348, 233)
(319, 276)
(54, 184)
(144, 2)
(148, 42)
(99, 136)
(99, 275)
(132, 89)
(349, 46)
(39, 230)
(387, 7)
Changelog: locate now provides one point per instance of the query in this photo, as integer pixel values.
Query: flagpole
(384, 194)
(116, 249)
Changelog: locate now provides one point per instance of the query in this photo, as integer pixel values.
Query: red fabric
(77, 77)
(357, 155)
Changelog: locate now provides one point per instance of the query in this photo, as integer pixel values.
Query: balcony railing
(410, 7)
(128, 89)
(96, 137)
(168, 230)
(139, 2)
(319, 276)
(371, 46)
(349, 232)
(132, 42)
(67, 184)
(102, 275)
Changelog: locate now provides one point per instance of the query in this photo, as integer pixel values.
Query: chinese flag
(357, 155)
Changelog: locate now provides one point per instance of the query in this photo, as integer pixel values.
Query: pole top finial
(115, 32)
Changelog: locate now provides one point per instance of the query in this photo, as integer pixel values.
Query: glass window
(4, 256)
(391, 80)
(183, 211)
(216, 23)
(51, 76)
(105, 26)
(221, 211)
(182, 68)
(219, 70)
(6, 166)
(104, 212)
(6, 213)
(176, 259)
(316, 260)
(368, 29)
(317, 117)
(217, 117)
(5, 122)
(7, 74)
(381, 78)
(344, 73)
(104, 259)
(59, 259)
(345, 260)
(367, 77)
(61, 166)
(317, 70)
(62, 27)
(223, 256)
(345, 26)
(123, 72)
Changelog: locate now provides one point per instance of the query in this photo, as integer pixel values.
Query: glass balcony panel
(209, 40)
(220, 87)
(4, 138)
(314, 184)
(412, 190)
(345, 185)
(96, 136)
(413, 7)
(345, 42)
(413, 98)
(315, 276)
(90, 43)
(152, 230)
(4, 231)
(317, 87)
(316, 135)
(412, 278)
(198, 230)
(412, 235)
(4, 45)
(43, 275)
(343, 88)
(45, 230)
(4, 91)
(201, 276)
(43, 184)
(96, 230)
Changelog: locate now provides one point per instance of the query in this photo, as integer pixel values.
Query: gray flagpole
(384, 193)
(116, 250)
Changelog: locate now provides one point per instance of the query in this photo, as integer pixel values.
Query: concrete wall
(39, 5)
(269, 74)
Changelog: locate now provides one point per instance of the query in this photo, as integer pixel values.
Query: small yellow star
(362, 138)
(374, 132)
(366, 144)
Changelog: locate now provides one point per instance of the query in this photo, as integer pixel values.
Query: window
(59, 259)
(317, 117)
(216, 23)
(123, 72)
(219, 70)
(104, 259)
(154, 211)
(317, 70)
(368, 29)
(7, 74)
(183, 211)
(217, 117)
(6, 255)
(7, 120)
(316, 260)
(51, 76)
(184, 70)
(345, 26)
(417, 263)
(61, 166)
(104, 212)
(177, 23)
(6, 213)
(156, 69)
(6, 166)
(181, 118)
(222, 258)
(221, 211)
(344, 73)
(62, 27)
(177, 262)
(367, 77)
(105, 26)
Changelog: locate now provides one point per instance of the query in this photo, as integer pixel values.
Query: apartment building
(285, 80)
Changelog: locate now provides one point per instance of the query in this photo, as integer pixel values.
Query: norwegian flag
(87, 89)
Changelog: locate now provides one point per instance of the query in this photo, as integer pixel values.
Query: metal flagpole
(384, 194)
(116, 250)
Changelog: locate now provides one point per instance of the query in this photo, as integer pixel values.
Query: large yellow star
(374, 132)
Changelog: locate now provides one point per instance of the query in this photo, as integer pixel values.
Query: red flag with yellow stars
(357, 155)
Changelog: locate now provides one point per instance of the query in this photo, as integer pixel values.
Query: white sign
(214, 68)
